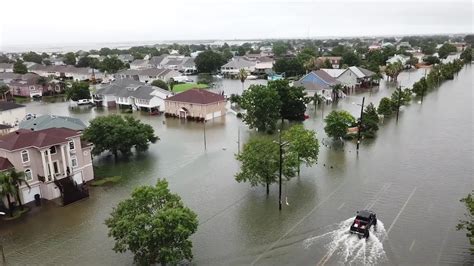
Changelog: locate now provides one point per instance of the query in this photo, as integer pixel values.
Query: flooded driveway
(412, 175)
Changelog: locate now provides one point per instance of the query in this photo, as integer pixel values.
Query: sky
(54, 22)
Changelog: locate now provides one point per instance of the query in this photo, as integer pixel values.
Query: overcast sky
(39, 22)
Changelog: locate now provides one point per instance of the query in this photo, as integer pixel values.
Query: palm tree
(4, 89)
(18, 178)
(311, 64)
(7, 189)
(317, 99)
(335, 91)
(242, 76)
(392, 70)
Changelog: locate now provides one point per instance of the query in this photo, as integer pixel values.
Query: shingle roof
(239, 62)
(52, 121)
(5, 164)
(4, 106)
(333, 72)
(326, 77)
(6, 65)
(4, 126)
(23, 138)
(198, 96)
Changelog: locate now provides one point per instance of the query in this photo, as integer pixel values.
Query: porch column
(43, 159)
(63, 157)
(50, 163)
(68, 155)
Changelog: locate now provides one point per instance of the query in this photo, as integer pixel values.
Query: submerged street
(413, 175)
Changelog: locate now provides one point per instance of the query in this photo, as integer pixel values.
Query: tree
(392, 70)
(446, 49)
(350, 58)
(263, 107)
(466, 55)
(4, 90)
(291, 67)
(209, 61)
(303, 143)
(292, 99)
(86, 61)
(32, 57)
(385, 107)
(7, 189)
(160, 84)
(227, 54)
(400, 97)
(79, 90)
(468, 223)
(19, 67)
(306, 54)
(154, 225)
(339, 50)
(69, 59)
(337, 124)
(260, 160)
(412, 61)
(279, 48)
(326, 64)
(370, 121)
(242, 75)
(431, 60)
(111, 65)
(17, 179)
(116, 134)
(420, 87)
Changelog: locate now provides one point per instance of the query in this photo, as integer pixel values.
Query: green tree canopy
(350, 58)
(86, 61)
(385, 107)
(402, 96)
(19, 67)
(111, 65)
(370, 121)
(303, 143)
(420, 87)
(291, 67)
(337, 124)
(293, 100)
(260, 163)
(466, 55)
(431, 60)
(160, 84)
(79, 90)
(280, 48)
(468, 222)
(446, 49)
(69, 58)
(32, 57)
(154, 225)
(209, 61)
(116, 133)
(262, 107)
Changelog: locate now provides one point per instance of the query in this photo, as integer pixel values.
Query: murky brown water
(413, 175)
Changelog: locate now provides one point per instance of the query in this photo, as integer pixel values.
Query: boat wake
(348, 248)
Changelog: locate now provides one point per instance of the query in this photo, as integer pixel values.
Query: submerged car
(362, 223)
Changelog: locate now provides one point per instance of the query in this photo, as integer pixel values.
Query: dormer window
(25, 156)
(71, 145)
(52, 150)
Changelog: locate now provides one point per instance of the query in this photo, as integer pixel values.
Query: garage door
(217, 114)
(29, 194)
(208, 116)
(77, 178)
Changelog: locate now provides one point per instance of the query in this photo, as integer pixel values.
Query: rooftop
(5, 164)
(52, 121)
(198, 96)
(5, 106)
(23, 138)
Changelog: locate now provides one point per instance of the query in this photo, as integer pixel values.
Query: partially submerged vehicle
(362, 223)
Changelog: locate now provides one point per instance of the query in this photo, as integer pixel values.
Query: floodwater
(412, 175)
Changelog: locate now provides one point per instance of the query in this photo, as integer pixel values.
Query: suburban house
(334, 60)
(233, 67)
(125, 58)
(52, 121)
(148, 75)
(5, 129)
(405, 45)
(132, 94)
(317, 81)
(55, 161)
(139, 64)
(26, 85)
(11, 113)
(352, 77)
(5, 67)
(70, 72)
(181, 63)
(398, 57)
(197, 104)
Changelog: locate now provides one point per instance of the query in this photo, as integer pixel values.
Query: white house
(398, 57)
(5, 67)
(140, 64)
(233, 67)
(351, 77)
(148, 75)
(11, 113)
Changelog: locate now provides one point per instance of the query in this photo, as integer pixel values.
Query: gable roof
(239, 62)
(333, 72)
(198, 96)
(52, 121)
(23, 138)
(132, 88)
(5, 106)
(361, 72)
(5, 164)
(326, 77)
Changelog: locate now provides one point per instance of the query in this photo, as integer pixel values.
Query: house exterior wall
(13, 116)
(348, 78)
(26, 90)
(48, 189)
(196, 110)
(313, 78)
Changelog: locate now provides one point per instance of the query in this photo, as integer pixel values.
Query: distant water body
(62, 48)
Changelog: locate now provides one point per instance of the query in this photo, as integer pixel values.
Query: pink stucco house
(55, 161)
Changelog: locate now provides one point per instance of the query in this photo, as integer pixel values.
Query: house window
(52, 150)
(56, 167)
(74, 161)
(71, 145)
(28, 175)
(25, 157)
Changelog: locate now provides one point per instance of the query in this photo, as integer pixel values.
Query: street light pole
(281, 166)
(360, 123)
(205, 145)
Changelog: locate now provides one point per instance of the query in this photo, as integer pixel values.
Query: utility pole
(281, 166)
(360, 123)
(205, 145)
(399, 99)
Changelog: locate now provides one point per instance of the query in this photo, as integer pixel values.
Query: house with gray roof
(133, 94)
(138, 64)
(233, 67)
(183, 64)
(6, 67)
(52, 121)
(352, 77)
(147, 75)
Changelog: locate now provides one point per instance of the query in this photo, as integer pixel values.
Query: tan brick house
(196, 104)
